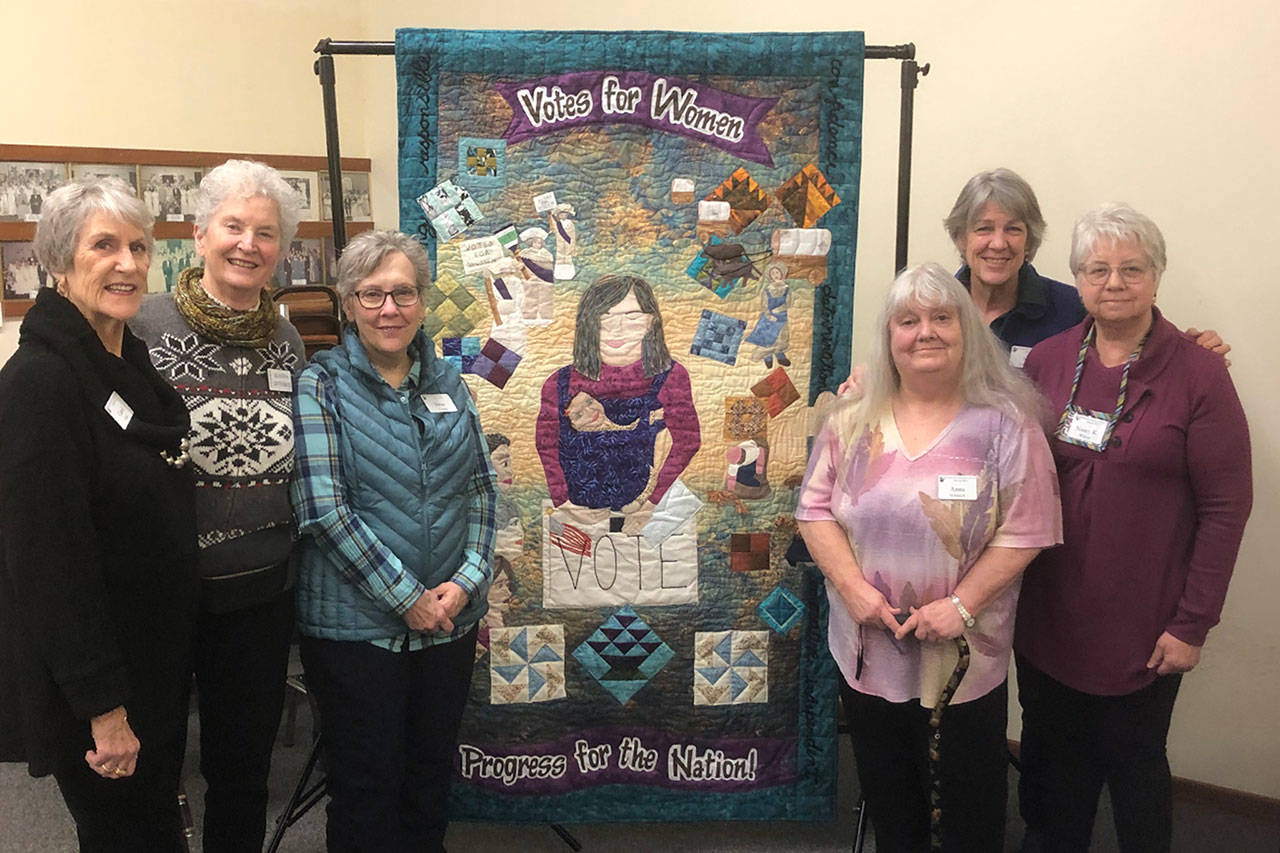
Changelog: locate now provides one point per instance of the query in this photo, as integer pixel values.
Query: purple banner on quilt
(643, 756)
(671, 104)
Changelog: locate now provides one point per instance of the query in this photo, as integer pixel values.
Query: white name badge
(957, 487)
(439, 403)
(1018, 356)
(1085, 429)
(120, 411)
(279, 380)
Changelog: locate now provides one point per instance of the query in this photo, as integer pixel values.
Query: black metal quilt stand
(307, 794)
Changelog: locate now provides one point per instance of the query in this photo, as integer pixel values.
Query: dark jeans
(139, 812)
(241, 662)
(1073, 742)
(891, 748)
(388, 729)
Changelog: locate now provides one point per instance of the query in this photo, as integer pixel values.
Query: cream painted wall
(1169, 107)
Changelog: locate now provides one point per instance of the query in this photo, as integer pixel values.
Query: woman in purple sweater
(1152, 451)
(598, 426)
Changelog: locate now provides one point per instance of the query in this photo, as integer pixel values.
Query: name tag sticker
(957, 487)
(1018, 356)
(439, 403)
(279, 380)
(1086, 429)
(120, 411)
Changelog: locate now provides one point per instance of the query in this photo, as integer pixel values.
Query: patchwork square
(745, 418)
(526, 664)
(776, 391)
(746, 200)
(453, 307)
(495, 363)
(460, 352)
(807, 196)
(781, 609)
(718, 337)
(482, 162)
(748, 552)
(623, 654)
(730, 667)
(432, 325)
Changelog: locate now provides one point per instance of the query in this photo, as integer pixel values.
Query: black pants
(241, 662)
(139, 812)
(1073, 742)
(388, 727)
(890, 746)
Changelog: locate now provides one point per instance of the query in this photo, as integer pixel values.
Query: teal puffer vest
(407, 471)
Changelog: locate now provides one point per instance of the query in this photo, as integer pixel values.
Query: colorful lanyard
(1124, 379)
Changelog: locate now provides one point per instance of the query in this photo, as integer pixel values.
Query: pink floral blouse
(915, 547)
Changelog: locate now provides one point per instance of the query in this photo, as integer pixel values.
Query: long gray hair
(986, 378)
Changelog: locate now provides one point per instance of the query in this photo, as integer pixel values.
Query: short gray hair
(986, 377)
(241, 179)
(68, 208)
(1007, 189)
(1113, 222)
(366, 252)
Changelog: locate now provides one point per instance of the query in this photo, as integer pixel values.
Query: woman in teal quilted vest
(394, 493)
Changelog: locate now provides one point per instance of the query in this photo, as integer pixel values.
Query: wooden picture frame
(55, 160)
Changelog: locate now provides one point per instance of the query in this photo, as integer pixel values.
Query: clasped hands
(932, 623)
(434, 610)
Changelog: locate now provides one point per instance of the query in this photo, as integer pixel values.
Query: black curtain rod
(911, 73)
(388, 48)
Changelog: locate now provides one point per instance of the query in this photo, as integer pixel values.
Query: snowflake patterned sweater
(241, 448)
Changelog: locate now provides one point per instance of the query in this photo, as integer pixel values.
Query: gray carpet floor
(32, 818)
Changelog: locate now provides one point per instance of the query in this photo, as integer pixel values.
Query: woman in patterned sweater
(219, 341)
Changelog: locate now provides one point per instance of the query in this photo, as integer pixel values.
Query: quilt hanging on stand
(644, 247)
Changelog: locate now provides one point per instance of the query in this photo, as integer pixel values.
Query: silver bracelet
(965, 615)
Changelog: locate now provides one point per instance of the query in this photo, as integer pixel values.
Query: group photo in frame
(302, 263)
(170, 192)
(22, 273)
(355, 197)
(25, 186)
(168, 259)
(128, 174)
(304, 184)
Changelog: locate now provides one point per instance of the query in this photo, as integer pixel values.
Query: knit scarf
(212, 319)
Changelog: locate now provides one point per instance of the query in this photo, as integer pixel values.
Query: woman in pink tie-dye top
(923, 503)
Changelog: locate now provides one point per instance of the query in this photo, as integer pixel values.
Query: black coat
(98, 584)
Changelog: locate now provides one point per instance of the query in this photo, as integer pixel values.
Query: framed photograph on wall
(304, 184)
(330, 262)
(22, 273)
(168, 260)
(355, 197)
(170, 191)
(302, 264)
(128, 174)
(25, 186)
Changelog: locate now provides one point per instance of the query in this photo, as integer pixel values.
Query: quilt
(643, 246)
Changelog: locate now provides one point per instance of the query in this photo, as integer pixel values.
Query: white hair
(986, 378)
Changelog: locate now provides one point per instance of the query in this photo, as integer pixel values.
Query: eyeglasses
(1099, 274)
(623, 318)
(373, 298)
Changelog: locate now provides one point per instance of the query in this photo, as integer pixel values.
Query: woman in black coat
(97, 534)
